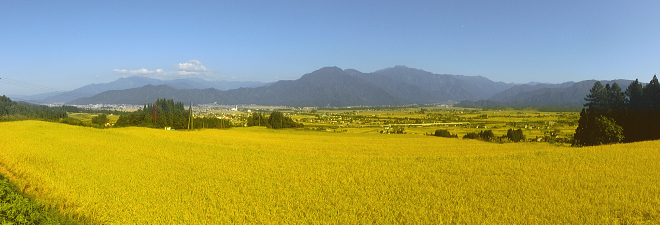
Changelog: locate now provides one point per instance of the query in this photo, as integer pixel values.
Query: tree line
(488, 135)
(11, 110)
(167, 113)
(613, 116)
(275, 120)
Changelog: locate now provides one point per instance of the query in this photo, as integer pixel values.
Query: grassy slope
(138, 175)
(18, 209)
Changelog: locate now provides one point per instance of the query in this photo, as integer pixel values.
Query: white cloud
(142, 71)
(192, 67)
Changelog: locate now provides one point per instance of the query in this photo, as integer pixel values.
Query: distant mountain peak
(324, 72)
(352, 71)
(400, 69)
(329, 69)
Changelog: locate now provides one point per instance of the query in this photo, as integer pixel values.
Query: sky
(53, 45)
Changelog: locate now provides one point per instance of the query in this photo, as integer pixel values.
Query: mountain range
(333, 86)
(564, 94)
(136, 82)
(329, 86)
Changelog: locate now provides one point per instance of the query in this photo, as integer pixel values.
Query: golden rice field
(257, 175)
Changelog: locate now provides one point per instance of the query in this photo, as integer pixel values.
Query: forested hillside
(10, 110)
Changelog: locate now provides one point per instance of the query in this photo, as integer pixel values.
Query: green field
(87, 117)
(259, 175)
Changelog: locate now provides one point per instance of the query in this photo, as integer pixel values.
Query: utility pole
(190, 116)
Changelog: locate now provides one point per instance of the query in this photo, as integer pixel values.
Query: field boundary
(30, 189)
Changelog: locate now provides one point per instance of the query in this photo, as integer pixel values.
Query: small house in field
(168, 128)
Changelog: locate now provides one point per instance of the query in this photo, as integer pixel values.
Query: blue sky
(71, 44)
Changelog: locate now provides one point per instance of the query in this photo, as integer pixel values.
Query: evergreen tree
(583, 136)
(162, 113)
(597, 98)
(100, 119)
(604, 106)
(616, 98)
(649, 123)
(515, 135)
(276, 120)
(634, 94)
(651, 93)
(631, 121)
(487, 135)
(257, 119)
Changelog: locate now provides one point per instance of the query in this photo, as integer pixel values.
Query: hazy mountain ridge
(332, 86)
(326, 86)
(136, 82)
(517, 89)
(447, 87)
(406, 92)
(568, 95)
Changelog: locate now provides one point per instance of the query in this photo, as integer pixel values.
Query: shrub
(471, 135)
(444, 133)
(482, 135)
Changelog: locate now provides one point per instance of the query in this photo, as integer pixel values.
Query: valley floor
(259, 175)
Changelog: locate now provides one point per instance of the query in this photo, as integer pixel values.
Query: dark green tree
(487, 135)
(651, 93)
(257, 119)
(100, 119)
(162, 113)
(596, 130)
(515, 135)
(597, 98)
(471, 135)
(634, 110)
(583, 133)
(608, 131)
(444, 133)
(634, 95)
(649, 125)
(277, 120)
